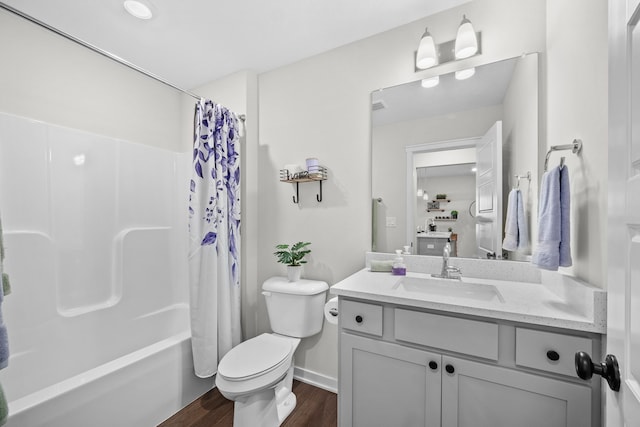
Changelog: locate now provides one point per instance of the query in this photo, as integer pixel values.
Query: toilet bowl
(258, 376)
(258, 373)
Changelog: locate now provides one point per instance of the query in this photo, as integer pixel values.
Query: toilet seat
(254, 357)
(255, 364)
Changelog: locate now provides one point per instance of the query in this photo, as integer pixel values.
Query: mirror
(428, 139)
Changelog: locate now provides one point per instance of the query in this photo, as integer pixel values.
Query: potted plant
(454, 214)
(293, 257)
(441, 196)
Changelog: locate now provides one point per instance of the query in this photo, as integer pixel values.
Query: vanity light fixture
(466, 40)
(465, 74)
(430, 82)
(425, 196)
(420, 192)
(466, 44)
(138, 9)
(427, 55)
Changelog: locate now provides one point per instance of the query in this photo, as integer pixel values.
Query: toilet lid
(254, 357)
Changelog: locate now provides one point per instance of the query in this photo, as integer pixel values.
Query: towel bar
(519, 177)
(575, 147)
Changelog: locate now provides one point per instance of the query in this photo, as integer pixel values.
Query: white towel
(510, 241)
(516, 232)
(553, 221)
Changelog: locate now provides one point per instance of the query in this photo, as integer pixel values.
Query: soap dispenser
(399, 268)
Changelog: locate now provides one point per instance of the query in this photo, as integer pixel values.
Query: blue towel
(565, 219)
(553, 221)
(516, 232)
(4, 339)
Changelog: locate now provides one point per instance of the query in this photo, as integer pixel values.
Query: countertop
(557, 301)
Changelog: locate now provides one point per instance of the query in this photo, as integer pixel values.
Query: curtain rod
(100, 51)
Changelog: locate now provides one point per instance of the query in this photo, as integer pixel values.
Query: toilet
(258, 373)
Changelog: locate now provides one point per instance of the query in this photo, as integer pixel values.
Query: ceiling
(191, 42)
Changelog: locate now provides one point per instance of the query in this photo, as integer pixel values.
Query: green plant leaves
(293, 256)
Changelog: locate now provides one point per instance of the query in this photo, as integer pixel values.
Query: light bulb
(465, 74)
(138, 9)
(466, 40)
(426, 56)
(430, 82)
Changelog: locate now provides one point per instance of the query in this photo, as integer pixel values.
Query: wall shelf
(315, 176)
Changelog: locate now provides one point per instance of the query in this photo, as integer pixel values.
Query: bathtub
(124, 363)
(95, 238)
(141, 388)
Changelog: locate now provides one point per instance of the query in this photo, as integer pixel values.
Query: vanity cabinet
(412, 367)
(434, 246)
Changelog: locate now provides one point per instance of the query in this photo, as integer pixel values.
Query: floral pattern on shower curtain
(214, 234)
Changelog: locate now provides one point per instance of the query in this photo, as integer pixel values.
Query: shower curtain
(214, 236)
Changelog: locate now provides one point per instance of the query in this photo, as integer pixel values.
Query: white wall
(320, 107)
(577, 108)
(520, 142)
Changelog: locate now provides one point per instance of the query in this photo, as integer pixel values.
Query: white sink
(448, 288)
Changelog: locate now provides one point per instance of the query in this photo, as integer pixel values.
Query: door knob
(608, 369)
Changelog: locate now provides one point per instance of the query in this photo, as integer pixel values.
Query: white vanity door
(480, 395)
(383, 384)
(623, 285)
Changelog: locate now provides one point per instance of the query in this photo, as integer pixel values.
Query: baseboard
(315, 379)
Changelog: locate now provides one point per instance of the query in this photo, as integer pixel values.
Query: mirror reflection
(445, 157)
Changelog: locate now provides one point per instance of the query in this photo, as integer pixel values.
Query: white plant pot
(294, 272)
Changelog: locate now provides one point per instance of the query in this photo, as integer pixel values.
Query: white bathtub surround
(104, 316)
(214, 237)
(515, 291)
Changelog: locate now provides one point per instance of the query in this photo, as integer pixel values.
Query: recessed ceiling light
(138, 9)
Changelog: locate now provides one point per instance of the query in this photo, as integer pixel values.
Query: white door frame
(411, 150)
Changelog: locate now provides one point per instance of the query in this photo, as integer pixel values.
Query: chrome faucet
(448, 271)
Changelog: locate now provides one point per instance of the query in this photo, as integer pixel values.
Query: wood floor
(315, 408)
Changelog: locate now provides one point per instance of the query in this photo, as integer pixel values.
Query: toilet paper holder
(333, 311)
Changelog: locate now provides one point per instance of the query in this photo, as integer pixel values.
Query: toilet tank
(296, 309)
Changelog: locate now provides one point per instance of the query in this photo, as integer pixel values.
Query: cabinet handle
(553, 355)
(450, 369)
(433, 365)
(359, 319)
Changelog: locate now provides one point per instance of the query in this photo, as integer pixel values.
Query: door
(481, 395)
(623, 279)
(489, 193)
(383, 384)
